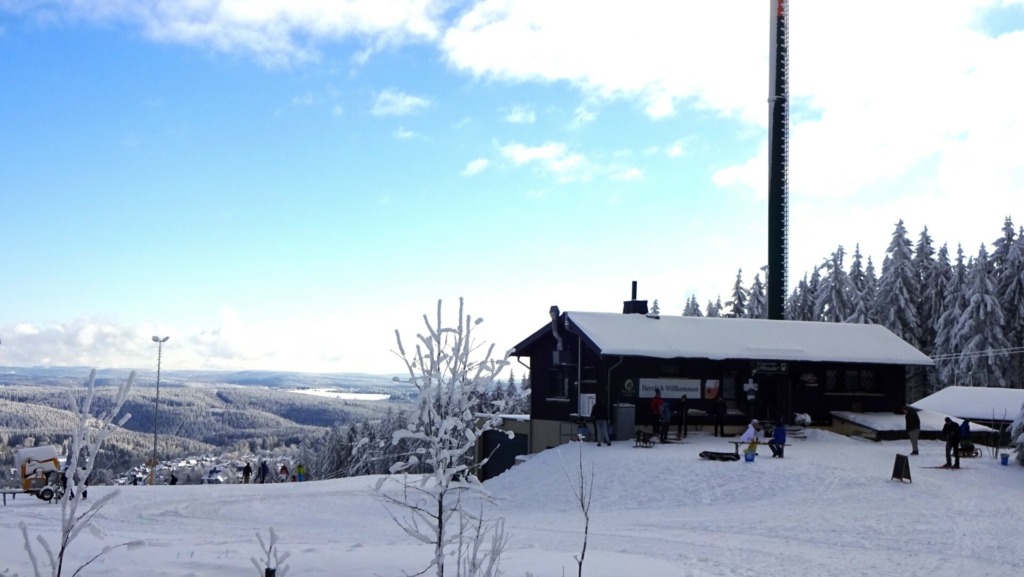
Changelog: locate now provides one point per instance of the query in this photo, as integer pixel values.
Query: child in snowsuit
(778, 442)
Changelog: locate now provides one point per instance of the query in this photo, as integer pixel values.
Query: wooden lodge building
(764, 369)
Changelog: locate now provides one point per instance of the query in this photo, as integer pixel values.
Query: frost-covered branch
(453, 410)
(272, 558)
(86, 439)
(583, 493)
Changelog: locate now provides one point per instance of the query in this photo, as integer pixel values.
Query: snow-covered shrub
(451, 413)
(272, 559)
(1017, 436)
(86, 439)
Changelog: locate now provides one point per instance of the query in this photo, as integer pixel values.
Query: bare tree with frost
(86, 439)
(444, 507)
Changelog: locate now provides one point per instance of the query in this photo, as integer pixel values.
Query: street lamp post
(156, 413)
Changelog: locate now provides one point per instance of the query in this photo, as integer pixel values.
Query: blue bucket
(749, 457)
(1004, 459)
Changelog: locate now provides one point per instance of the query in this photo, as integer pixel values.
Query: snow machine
(40, 471)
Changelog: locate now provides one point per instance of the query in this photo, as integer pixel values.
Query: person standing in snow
(600, 416)
(778, 442)
(246, 473)
(681, 410)
(300, 472)
(284, 472)
(666, 421)
(264, 472)
(965, 430)
(913, 427)
(952, 433)
(656, 404)
(718, 410)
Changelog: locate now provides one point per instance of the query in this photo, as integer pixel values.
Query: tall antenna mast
(778, 159)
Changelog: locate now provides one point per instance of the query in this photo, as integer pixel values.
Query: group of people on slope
(263, 473)
(953, 433)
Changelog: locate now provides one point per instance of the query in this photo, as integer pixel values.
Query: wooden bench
(737, 444)
(10, 492)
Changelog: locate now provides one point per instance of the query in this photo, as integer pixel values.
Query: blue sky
(282, 185)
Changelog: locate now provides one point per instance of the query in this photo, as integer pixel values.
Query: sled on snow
(718, 456)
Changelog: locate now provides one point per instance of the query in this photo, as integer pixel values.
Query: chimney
(558, 356)
(634, 306)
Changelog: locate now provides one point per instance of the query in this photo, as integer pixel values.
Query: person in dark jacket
(719, 410)
(913, 427)
(682, 407)
(778, 442)
(600, 415)
(951, 431)
(246, 473)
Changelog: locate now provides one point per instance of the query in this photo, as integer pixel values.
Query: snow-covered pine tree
(984, 356)
(948, 342)
(1017, 436)
(1001, 248)
(792, 306)
(934, 288)
(692, 307)
(858, 282)
(834, 303)
(1010, 292)
(655, 309)
(757, 306)
(810, 291)
(801, 303)
(870, 293)
(933, 296)
(714, 309)
(925, 265)
(899, 290)
(738, 305)
(449, 417)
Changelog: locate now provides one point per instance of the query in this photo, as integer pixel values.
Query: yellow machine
(40, 470)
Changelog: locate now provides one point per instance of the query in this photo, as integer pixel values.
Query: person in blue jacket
(778, 442)
(666, 421)
(965, 430)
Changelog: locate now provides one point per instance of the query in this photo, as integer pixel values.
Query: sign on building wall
(670, 388)
(587, 402)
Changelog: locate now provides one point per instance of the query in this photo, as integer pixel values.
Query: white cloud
(397, 103)
(581, 117)
(337, 110)
(630, 173)
(275, 33)
(672, 54)
(676, 149)
(475, 167)
(307, 99)
(521, 115)
(553, 157)
(402, 134)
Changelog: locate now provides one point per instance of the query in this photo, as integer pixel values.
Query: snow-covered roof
(671, 337)
(975, 403)
(930, 421)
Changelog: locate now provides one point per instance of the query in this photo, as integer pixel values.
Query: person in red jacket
(656, 403)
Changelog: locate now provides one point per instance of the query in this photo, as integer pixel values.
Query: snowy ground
(829, 508)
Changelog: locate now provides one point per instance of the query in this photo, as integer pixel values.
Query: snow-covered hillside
(829, 508)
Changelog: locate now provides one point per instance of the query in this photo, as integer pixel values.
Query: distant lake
(336, 394)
